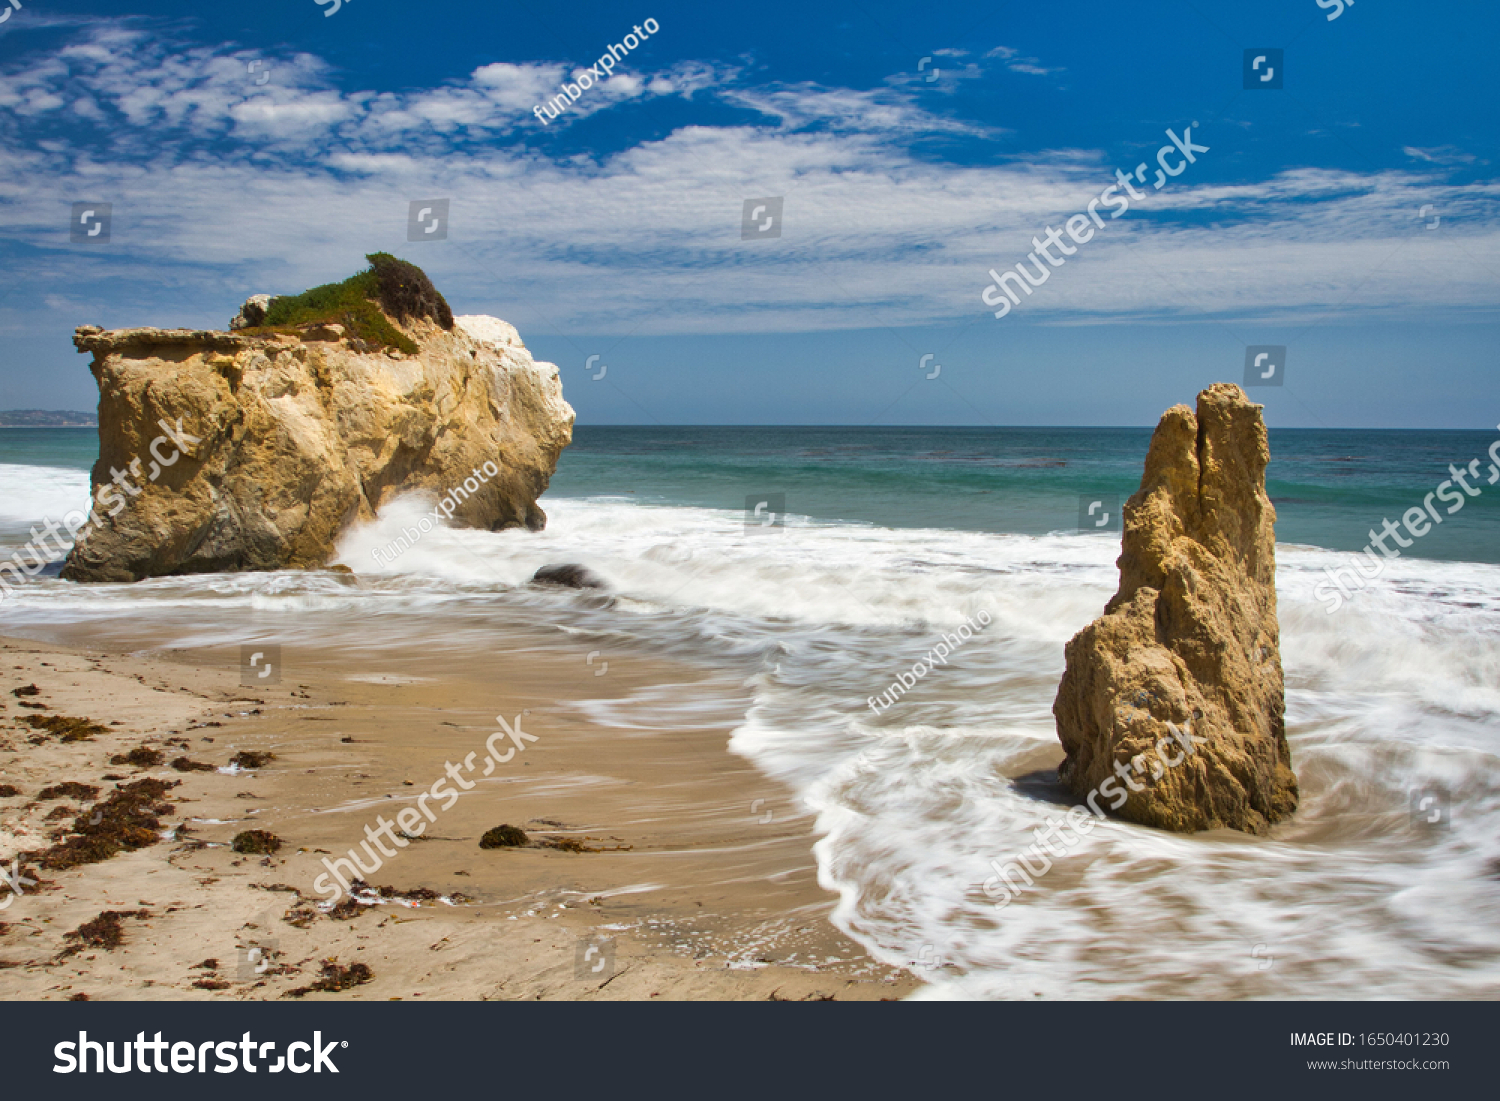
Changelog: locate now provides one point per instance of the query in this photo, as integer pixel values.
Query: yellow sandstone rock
(300, 433)
(1190, 639)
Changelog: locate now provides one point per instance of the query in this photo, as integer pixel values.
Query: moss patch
(364, 304)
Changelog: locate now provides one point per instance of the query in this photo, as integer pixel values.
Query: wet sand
(696, 879)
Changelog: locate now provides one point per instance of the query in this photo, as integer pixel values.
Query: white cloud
(1016, 62)
(223, 188)
(1444, 155)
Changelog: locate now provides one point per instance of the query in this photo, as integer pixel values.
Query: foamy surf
(1392, 697)
(31, 494)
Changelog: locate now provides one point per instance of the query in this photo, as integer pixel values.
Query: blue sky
(1350, 215)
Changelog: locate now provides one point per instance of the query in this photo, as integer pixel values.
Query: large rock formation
(281, 438)
(1189, 640)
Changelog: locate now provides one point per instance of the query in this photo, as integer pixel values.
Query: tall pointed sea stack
(1190, 639)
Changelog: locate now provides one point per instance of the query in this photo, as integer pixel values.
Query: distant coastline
(47, 418)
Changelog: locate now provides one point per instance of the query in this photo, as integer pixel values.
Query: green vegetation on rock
(365, 303)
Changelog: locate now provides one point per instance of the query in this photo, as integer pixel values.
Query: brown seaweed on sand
(125, 821)
(335, 978)
(142, 756)
(69, 789)
(104, 931)
(67, 728)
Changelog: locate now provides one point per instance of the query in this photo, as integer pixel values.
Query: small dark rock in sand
(257, 842)
(504, 837)
(251, 758)
(569, 577)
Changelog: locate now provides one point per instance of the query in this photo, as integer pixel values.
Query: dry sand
(703, 878)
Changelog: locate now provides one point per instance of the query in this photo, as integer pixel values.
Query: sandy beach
(689, 871)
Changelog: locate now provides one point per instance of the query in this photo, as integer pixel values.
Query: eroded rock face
(1190, 639)
(301, 434)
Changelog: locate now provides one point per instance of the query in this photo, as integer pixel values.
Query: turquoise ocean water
(1330, 487)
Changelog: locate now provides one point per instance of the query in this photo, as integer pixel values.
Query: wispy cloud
(1444, 155)
(1017, 62)
(223, 187)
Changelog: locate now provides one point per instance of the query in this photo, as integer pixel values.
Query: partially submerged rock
(1171, 710)
(257, 449)
(569, 576)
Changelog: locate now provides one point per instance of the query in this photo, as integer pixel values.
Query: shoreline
(701, 899)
